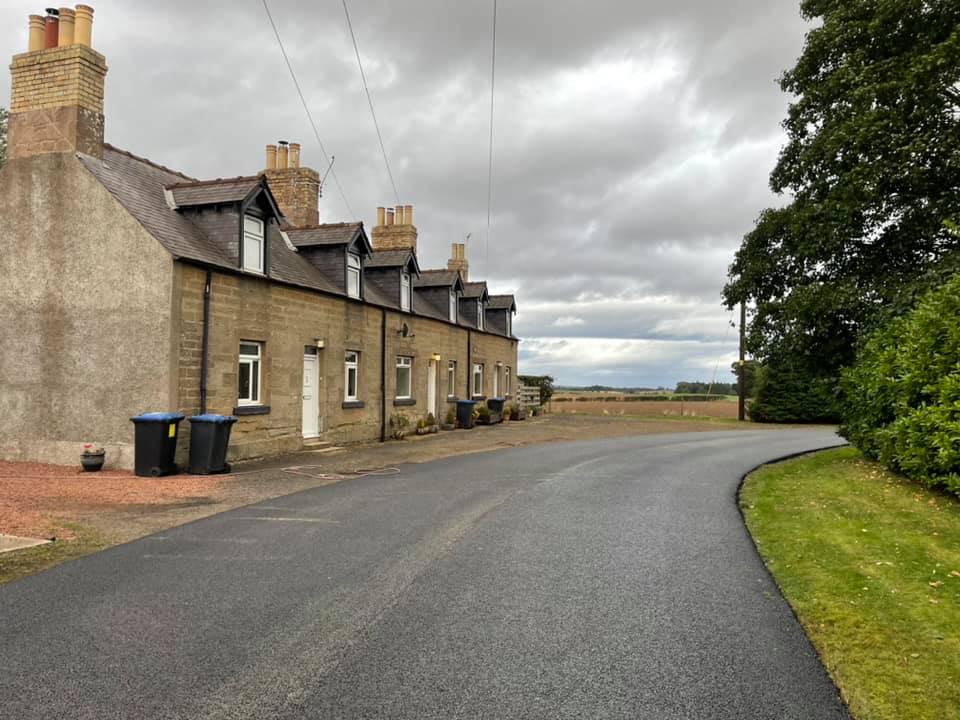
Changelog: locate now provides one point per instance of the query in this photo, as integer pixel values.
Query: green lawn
(20, 563)
(871, 564)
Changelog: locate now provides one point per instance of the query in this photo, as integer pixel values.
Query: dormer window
(509, 325)
(353, 275)
(479, 315)
(453, 306)
(405, 291)
(253, 244)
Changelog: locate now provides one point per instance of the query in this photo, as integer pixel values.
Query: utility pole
(741, 376)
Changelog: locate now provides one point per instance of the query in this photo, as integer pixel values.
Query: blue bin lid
(214, 418)
(158, 417)
(466, 402)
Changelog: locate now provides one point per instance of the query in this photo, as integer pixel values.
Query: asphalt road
(609, 579)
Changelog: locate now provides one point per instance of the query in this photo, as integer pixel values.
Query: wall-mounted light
(436, 357)
(320, 343)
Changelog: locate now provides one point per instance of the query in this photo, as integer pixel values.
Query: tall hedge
(785, 390)
(902, 397)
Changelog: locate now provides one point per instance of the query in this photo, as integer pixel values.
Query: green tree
(3, 136)
(871, 170)
(749, 376)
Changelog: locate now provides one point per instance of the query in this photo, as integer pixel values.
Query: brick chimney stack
(296, 189)
(56, 89)
(458, 260)
(395, 229)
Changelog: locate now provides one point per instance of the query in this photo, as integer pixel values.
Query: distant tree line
(543, 382)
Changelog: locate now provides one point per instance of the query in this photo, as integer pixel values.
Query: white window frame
(452, 306)
(507, 380)
(477, 374)
(351, 363)
(452, 378)
(354, 266)
(405, 291)
(404, 363)
(479, 315)
(255, 364)
(254, 235)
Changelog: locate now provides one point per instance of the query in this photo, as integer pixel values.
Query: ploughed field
(624, 404)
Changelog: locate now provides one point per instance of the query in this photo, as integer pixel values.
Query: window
(453, 306)
(506, 379)
(509, 323)
(353, 275)
(248, 392)
(479, 315)
(405, 291)
(404, 366)
(252, 243)
(478, 379)
(452, 378)
(350, 362)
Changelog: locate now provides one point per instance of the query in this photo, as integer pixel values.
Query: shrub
(787, 390)
(902, 397)
(483, 414)
(431, 420)
(451, 418)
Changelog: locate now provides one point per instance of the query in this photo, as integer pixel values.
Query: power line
(493, 80)
(373, 113)
(306, 108)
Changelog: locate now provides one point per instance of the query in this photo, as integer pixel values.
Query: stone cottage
(130, 287)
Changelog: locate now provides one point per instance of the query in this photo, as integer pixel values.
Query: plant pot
(449, 426)
(398, 434)
(422, 431)
(92, 462)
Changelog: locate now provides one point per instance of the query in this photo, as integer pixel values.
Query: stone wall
(285, 320)
(85, 315)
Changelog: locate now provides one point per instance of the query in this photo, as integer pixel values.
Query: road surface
(603, 579)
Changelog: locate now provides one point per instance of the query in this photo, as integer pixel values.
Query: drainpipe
(205, 346)
(383, 375)
(469, 395)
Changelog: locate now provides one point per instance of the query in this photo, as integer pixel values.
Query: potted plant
(432, 423)
(91, 459)
(449, 420)
(422, 428)
(398, 425)
(483, 415)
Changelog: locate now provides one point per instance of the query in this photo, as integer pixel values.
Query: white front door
(432, 388)
(311, 396)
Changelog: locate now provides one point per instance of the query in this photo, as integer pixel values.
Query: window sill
(452, 399)
(252, 410)
(352, 404)
(479, 397)
(402, 402)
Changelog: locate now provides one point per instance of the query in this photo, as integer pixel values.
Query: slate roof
(212, 192)
(142, 188)
(502, 302)
(391, 258)
(436, 278)
(326, 234)
(475, 290)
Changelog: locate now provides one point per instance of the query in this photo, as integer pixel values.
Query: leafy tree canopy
(871, 170)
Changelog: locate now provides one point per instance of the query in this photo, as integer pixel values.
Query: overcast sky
(633, 140)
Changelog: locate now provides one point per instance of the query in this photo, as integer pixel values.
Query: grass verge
(20, 563)
(870, 563)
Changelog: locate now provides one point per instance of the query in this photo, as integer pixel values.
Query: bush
(787, 390)
(902, 397)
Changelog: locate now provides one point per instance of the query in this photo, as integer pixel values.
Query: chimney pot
(67, 19)
(37, 32)
(271, 157)
(389, 216)
(381, 216)
(51, 35)
(294, 155)
(400, 218)
(83, 25)
(282, 154)
(408, 214)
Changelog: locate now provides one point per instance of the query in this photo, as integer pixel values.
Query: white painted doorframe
(432, 388)
(311, 396)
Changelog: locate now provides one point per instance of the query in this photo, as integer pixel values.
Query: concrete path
(609, 579)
